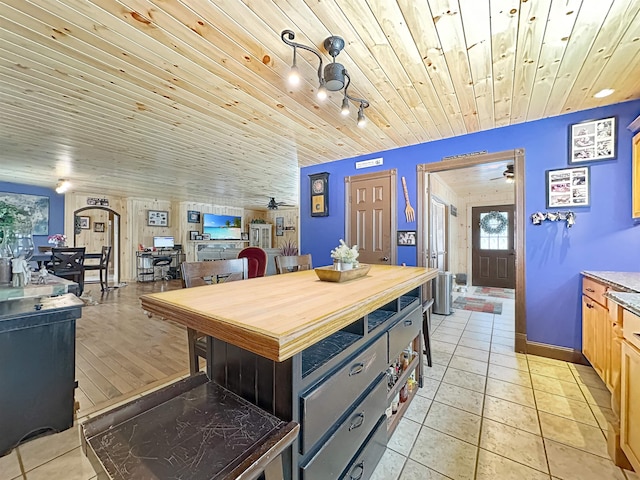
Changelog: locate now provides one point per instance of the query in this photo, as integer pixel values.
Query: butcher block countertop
(281, 315)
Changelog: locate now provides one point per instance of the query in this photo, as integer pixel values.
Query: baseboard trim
(553, 351)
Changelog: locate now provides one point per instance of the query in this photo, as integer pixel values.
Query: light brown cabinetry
(635, 208)
(630, 398)
(597, 327)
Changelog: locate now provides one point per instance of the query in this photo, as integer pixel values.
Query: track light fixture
(63, 185)
(333, 77)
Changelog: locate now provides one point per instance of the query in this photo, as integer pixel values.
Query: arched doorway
(103, 229)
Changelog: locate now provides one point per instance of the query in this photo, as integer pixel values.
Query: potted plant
(344, 257)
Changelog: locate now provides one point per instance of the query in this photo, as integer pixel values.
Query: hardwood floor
(120, 351)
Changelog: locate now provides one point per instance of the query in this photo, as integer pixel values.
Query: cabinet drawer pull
(588, 305)
(356, 421)
(356, 369)
(637, 335)
(590, 290)
(408, 323)
(357, 471)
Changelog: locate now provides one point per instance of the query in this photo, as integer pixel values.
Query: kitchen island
(317, 353)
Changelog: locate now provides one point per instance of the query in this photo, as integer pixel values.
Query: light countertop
(629, 301)
(622, 281)
(281, 315)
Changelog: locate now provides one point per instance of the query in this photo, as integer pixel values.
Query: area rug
(496, 292)
(477, 305)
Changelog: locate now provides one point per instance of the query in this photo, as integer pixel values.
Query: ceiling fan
(508, 174)
(273, 205)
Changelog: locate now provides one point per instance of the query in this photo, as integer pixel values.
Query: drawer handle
(408, 323)
(590, 290)
(356, 421)
(637, 335)
(589, 305)
(357, 471)
(356, 369)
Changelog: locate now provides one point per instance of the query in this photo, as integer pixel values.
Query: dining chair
(68, 263)
(257, 258)
(102, 267)
(196, 274)
(293, 263)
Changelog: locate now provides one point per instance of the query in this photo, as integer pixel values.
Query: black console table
(37, 366)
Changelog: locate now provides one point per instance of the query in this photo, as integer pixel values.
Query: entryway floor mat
(496, 292)
(477, 305)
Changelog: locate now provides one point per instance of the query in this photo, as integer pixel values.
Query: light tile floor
(488, 413)
(484, 413)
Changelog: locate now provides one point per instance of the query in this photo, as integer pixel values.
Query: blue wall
(56, 207)
(604, 237)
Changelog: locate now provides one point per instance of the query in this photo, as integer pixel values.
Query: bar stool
(426, 329)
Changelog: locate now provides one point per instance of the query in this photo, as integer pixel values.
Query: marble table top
(54, 286)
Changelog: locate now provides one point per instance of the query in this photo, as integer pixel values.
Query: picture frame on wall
(319, 189)
(85, 222)
(193, 216)
(157, 218)
(279, 226)
(592, 141)
(244, 236)
(406, 238)
(98, 227)
(193, 234)
(569, 187)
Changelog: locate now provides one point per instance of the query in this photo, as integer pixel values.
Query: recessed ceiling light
(605, 92)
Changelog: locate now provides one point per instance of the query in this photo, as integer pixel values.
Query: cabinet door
(601, 339)
(635, 209)
(630, 408)
(588, 329)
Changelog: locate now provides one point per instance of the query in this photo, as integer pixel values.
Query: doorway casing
(518, 158)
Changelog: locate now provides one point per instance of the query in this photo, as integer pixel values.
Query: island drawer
(325, 403)
(594, 290)
(368, 457)
(337, 452)
(631, 328)
(401, 334)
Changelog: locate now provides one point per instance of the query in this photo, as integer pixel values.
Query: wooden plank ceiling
(187, 99)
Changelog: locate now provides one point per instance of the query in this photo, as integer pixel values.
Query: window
(494, 231)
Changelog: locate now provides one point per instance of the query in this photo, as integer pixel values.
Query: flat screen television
(222, 227)
(163, 242)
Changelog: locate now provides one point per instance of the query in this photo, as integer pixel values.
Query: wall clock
(319, 183)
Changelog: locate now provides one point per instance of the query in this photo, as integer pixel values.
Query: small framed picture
(593, 140)
(198, 237)
(157, 218)
(98, 226)
(406, 238)
(568, 187)
(206, 236)
(85, 223)
(193, 216)
(193, 234)
(244, 236)
(279, 226)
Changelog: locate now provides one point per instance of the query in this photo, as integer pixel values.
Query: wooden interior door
(370, 223)
(493, 255)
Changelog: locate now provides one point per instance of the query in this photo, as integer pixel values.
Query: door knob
(385, 259)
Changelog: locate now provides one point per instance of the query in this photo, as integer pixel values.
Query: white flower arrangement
(344, 253)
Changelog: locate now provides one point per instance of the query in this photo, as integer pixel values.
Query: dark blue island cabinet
(37, 366)
(332, 357)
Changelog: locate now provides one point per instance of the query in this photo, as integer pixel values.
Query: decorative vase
(5, 256)
(21, 242)
(339, 265)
